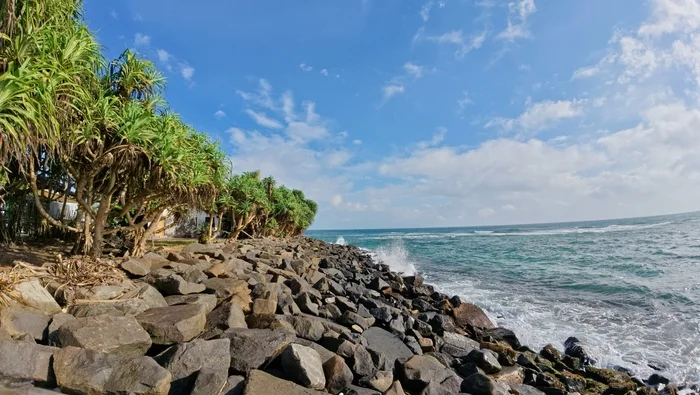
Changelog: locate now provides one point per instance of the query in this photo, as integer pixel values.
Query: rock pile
(290, 317)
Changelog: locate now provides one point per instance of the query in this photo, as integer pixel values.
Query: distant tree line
(75, 127)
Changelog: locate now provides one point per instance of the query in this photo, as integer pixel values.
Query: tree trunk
(141, 239)
(211, 226)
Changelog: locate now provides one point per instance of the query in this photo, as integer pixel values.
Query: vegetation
(74, 127)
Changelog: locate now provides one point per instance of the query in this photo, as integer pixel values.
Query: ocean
(629, 289)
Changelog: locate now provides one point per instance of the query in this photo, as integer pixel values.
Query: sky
(436, 113)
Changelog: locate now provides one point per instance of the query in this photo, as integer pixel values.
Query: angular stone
(209, 381)
(361, 362)
(502, 335)
(173, 324)
(458, 346)
(481, 384)
(234, 386)
(226, 287)
(172, 284)
(511, 375)
(207, 301)
(487, 360)
(386, 343)
(82, 371)
(420, 370)
(184, 360)
(56, 322)
(307, 328)
(287, 305)
(469, 315)
(32, 294)
(349, 318)
(261, 383)
(338, 374)
(22, 362)
(133, 302)
(522, 389)
(243, 300)
(264, 306)
(255, 348)
(18, 322)
(303, 365)
(357, 390)
(105, 333)
(381, 380)
(378, 284)
(305, 304)
(395, 389)
(228, 315)
(136, 267)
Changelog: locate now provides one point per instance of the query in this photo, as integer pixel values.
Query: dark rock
(656, 379)
(261, 383)
(528, 361)
(487, 360)
(173, 324)
(228, 315)
(255, 348)
(574, 348)
(548, 380)
(442, 323)
(506, 355)
(286, 305)
(378, 284)
(458, 346)
(303, 365)
(522, 389)
(423, 328)
(573, 382)
(56, 322)
(414, 281)
(22, 362)
(502, 335)
(209, 381)
(225, 287)
(345, 304)
(397, 325)
(169, 283)
(82, 371)
(109, 334)
(468, 369)
(469, 315)
(481, 384)
(413, 345)
(303, 300)
(338, 374)
(207, 301)
(551, 353)
(361, 362)
(386, 343)
(421, 370)
(184, 360)
(18, 322)
(619, 382)
(235, 385)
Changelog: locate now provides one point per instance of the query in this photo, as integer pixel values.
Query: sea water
(629, 289)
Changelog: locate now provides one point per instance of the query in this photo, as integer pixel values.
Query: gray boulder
(481, 384)
(255, 348)
(18, 322)
(458, 346)
(133, 302)
(421, 370)
(22, 362)
(234, 386)
(109, 334)
(209, 381)
(185, 360)
(303, 365)
(32, 294)
(228, 315)
(169, 283)
(136, 266)
(487, 360)
(338, 374)
(386, 343)
(207, 301)
(225, 287)
(261, 383)
(173, 324)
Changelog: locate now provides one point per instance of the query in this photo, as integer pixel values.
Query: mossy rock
(647, 391)
(594, 387)
(506, 355)
(619, 383)
(550, 380)
(573, 382)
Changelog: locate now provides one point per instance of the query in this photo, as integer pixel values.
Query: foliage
(74, 126)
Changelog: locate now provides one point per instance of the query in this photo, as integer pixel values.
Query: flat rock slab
(469, 315)
(421, 370)
(18, 322)
(133, 302)
(225, 287)
(386, 343)
(303, 365)
(173, 324)
(209, 381)
(22, 362)
(207, 301)
(184, 360)
(458, 346)
(136, 266)
(255, 348)
(32, 294)
(87, 372)
(105, 333)
(261, 383)
(172, 284)
(226, 316)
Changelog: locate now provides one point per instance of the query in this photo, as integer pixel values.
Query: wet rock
(87, 372)
(108, 334)
(22, 362)
(502, 335)
(619, 382)
(255, 348)
(387, 344)
(574, 348)
(469, 315)
(656, 379)
(185, 360)
(303, 365)
(207, 301)
(481, 384)
(173, 324)
(338, 374)
(32, 294)
(261, 383)
(551, 353)
(228, 315)
(458, 346)
(169, 283)
(136, 267)
(226, 287)
(442, 323)
(573, 382)
(18, 322)
(209, 381)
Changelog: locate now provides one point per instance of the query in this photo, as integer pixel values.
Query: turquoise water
(629, 289)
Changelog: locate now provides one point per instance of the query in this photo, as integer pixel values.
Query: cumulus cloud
(186, 71)
(219, 114)
(391, 90)
(414, 70)
(539, 116)
(305, 67)
(142, 40)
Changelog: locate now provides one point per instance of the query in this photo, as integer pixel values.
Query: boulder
(502, 335)
(303, 300)
(469, 315)
(487, 360)
(133, 302)
(458, 346)
(261, 383)
(169, 283)
(56, 322)
(22, 362)
(481, 384)
(421, 370)
(18, 322)
(185, 360)
(228, 315)
(395, 389)
(136, 267)
(225, 287)
(361, 362)
(574, 348)
(86, 372)
(109, 334)
(522, 389)
(511, 375)
(173, 324)
(255, 348)
(378, 284)
(306, 327)
(207, 301)
(380, 381)
(264, 306)
(303, 365)
(551, 353)
(619, 382)
(349, 319)
(32, 294)
(386, 343)
(234, 386)
(338, 374)
(209, 381)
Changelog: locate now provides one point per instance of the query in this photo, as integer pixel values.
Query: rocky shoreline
(271, 316)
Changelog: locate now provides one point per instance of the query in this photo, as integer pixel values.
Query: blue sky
(398, 113)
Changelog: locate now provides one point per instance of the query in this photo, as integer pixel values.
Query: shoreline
(297, 315)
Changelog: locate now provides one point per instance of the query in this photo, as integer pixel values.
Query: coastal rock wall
(271, 316)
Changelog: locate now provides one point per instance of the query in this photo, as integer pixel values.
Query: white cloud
(464, 101)
(337, 158)
(305, 67)
(337, 200)
(508, 207)
(163, 55)
(324, 72)
(414, 70)
(186, 71)
(465, 44)
(438, 138)
(586, 72)
(263, 96)
(519, 12)
(114, 14)
(391, 90)
(219, 114)
(672, 16)
(427, 7)
(141, 40)
(540, 115)
(486, 212)
(357, 142)
(262, 120)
